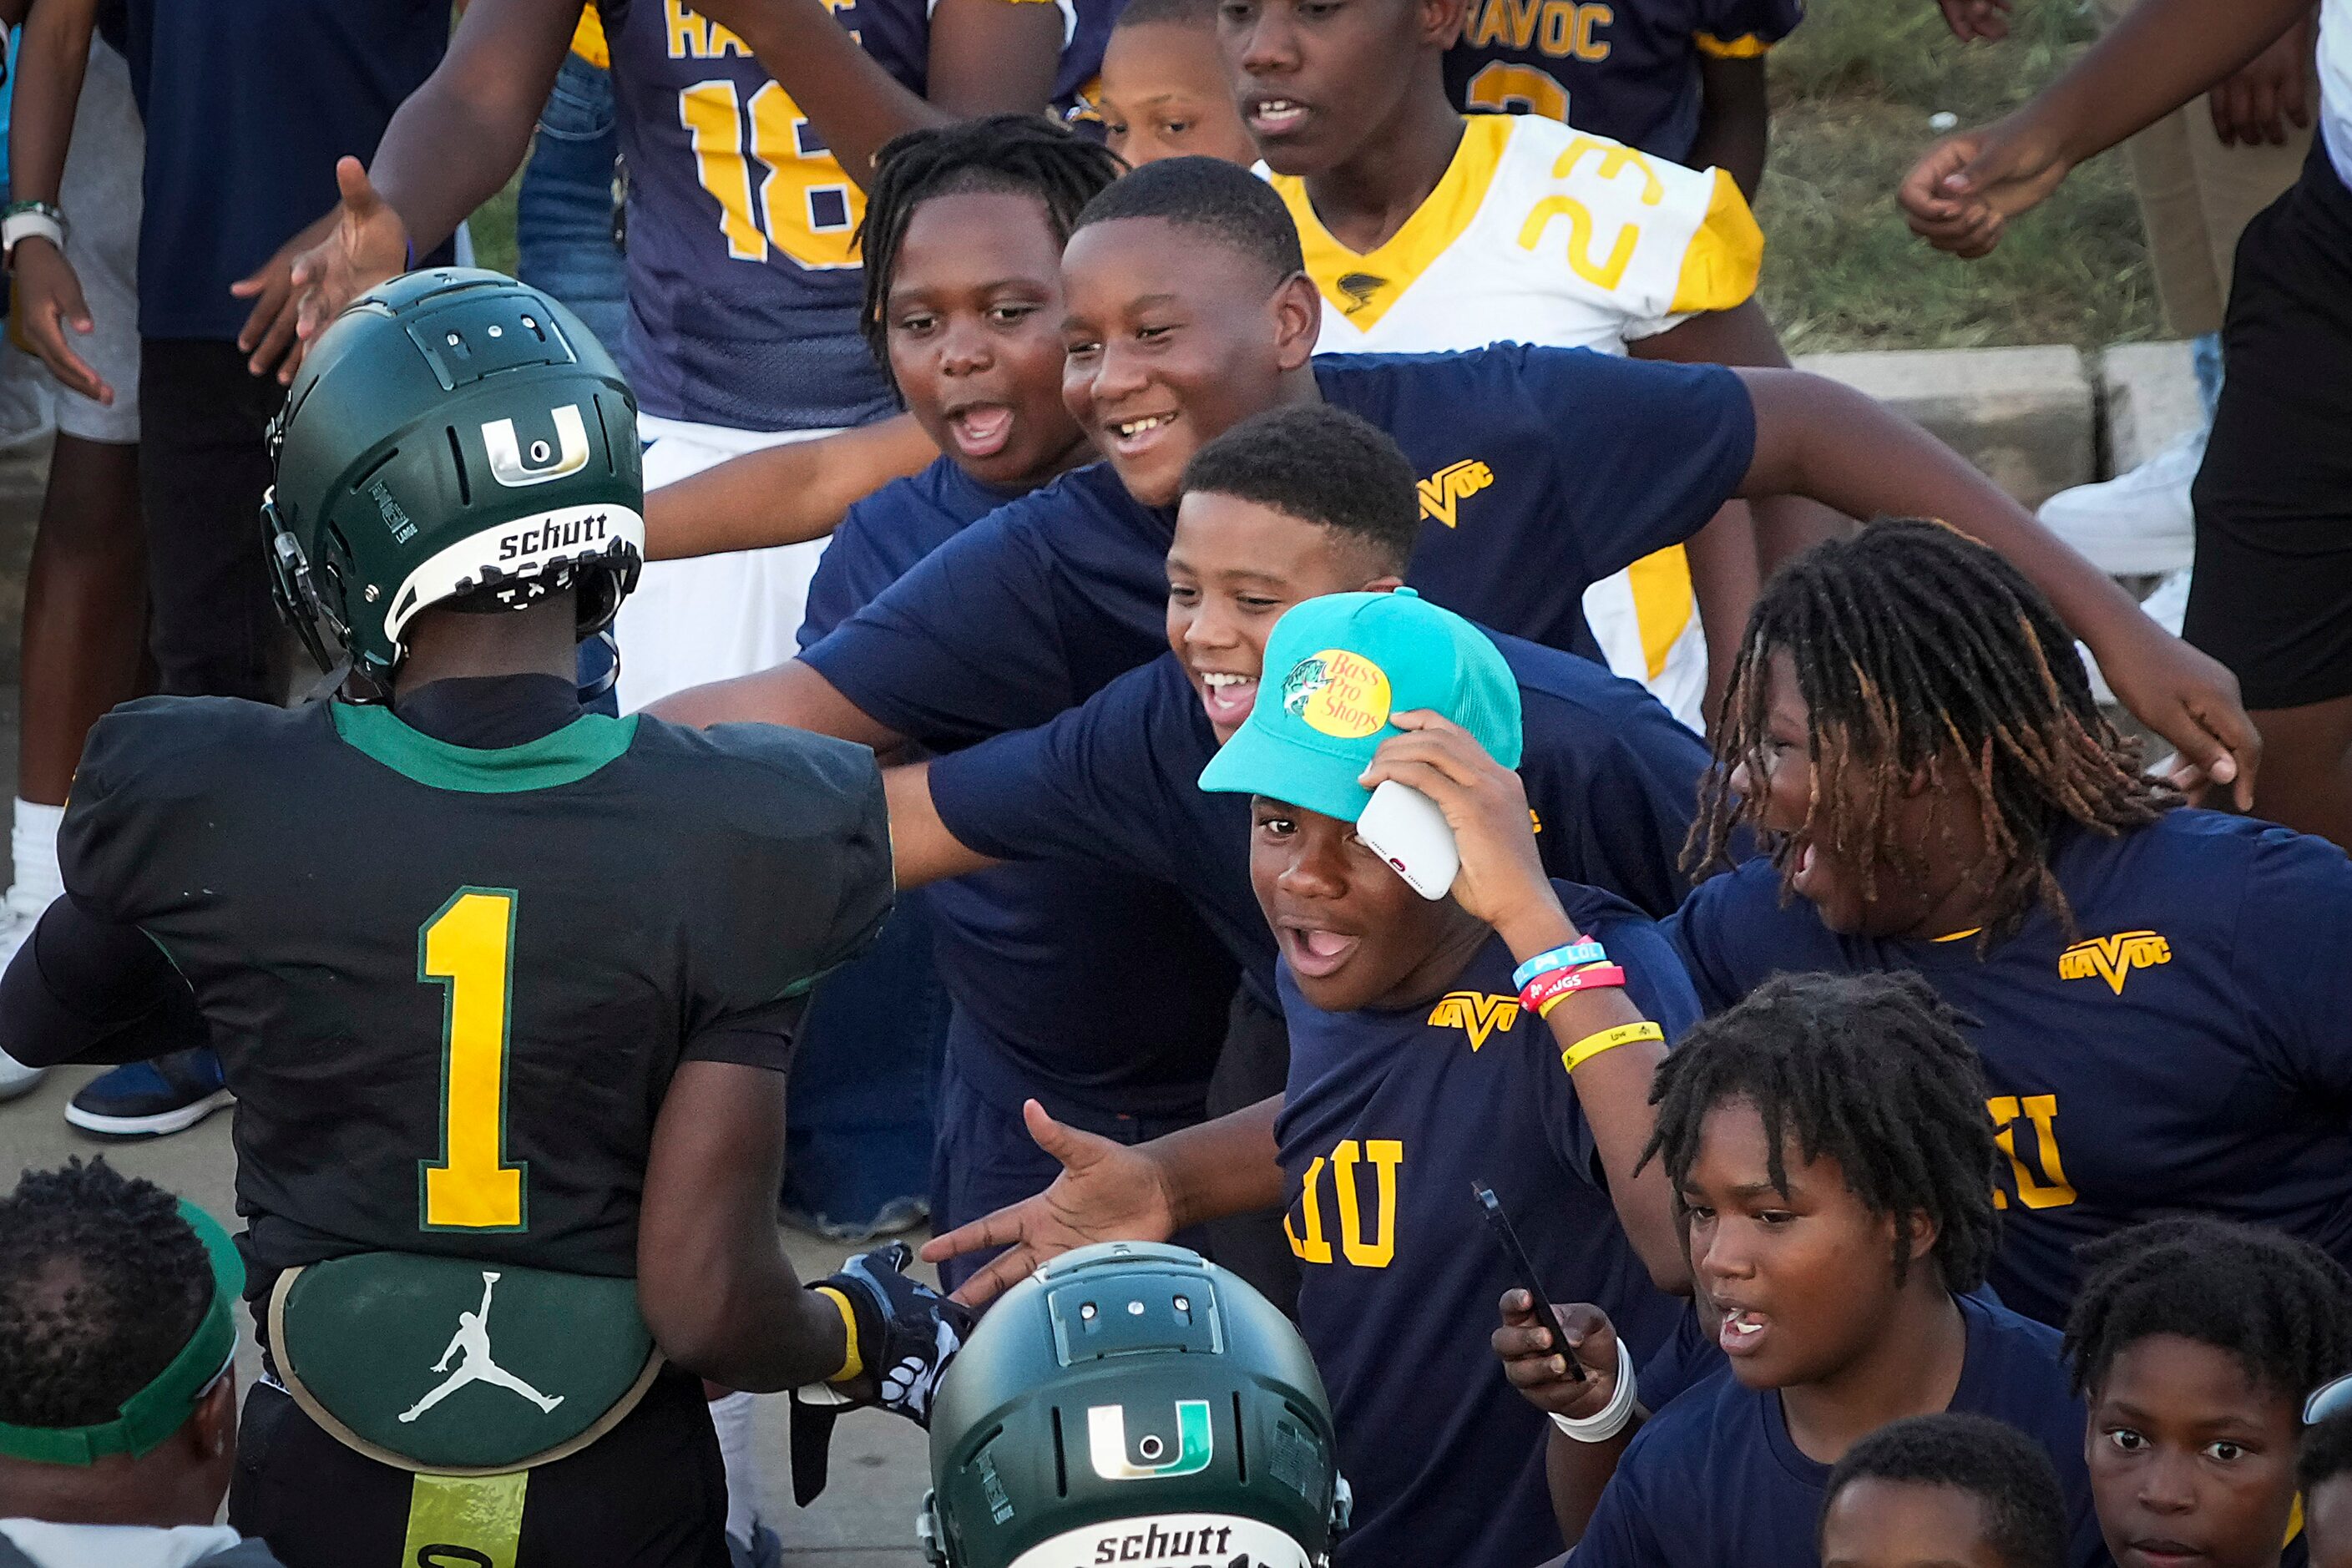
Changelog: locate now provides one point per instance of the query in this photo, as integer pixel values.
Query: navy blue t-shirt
(1713, 1481)
(247, 106)
(1388, 1117)
(1611, 776)
(1025, 951)
(2185, 1047)
(1628, 71)
(1547, 470)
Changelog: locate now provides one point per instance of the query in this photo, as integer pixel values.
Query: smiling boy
(1188, 310)
(1414, 1022)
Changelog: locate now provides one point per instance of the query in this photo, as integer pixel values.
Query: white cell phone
(1405, 828)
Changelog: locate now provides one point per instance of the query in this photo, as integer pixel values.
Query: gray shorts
(100, 194)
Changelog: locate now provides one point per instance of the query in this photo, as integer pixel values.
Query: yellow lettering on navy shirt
(1363, 1245)
(1443, 492)
(2046, 1188)
(1476, 1013)
(2113, 958)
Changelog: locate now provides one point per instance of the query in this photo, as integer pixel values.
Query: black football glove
(907, 1331)
(906, 1335)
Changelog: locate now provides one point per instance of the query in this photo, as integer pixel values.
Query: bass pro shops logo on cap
(515, 470)
(1337, 693)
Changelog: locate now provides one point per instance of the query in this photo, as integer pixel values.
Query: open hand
(2190, 698)
(1106, 1192)
(2251, 107)
(365, 244)
(1965, 188)
(1534, 1363)
(268, 330)
(50, 301)
(1502, 876)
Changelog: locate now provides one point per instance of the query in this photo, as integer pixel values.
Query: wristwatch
(29, 220)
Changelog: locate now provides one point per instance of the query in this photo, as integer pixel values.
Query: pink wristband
(1546, 990)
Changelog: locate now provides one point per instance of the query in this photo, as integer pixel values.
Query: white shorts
(100, 194)
(715, 617)
(1646, 622)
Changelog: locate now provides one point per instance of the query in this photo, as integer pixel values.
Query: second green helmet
(453, 434)
(1131, 1404)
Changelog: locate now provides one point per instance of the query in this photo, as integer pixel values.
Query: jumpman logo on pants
(472, 1344)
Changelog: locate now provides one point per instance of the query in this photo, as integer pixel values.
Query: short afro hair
(2001, 1466)
(1200, 14)
(2326, 1453)
(1320, 465)
(101, 1284)
(1221, 202)
(1869, 1069)
(2278, 1304)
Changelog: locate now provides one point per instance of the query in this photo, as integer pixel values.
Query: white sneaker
(2137, 523)
(2168, 607)
(18, 1079)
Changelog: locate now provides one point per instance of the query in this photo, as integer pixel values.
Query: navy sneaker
(147, 1099)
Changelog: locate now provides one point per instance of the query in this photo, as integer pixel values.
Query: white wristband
(30, 225)
(1614, 1415)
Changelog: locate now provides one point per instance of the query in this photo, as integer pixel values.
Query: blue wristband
(1585, 952)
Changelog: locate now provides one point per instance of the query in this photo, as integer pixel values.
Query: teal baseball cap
(1336, 667)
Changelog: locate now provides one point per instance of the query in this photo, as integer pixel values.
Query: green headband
(150, 1416)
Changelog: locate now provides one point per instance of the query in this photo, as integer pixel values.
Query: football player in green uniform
(506, 989)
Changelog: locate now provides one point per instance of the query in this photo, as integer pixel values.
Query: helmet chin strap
(596, 690)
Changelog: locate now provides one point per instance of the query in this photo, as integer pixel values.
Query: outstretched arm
(922, 849)
(792, 693)
(786, 494)
(1817, 438)
(986, 57)
(1117, 1192)
(2161, 54)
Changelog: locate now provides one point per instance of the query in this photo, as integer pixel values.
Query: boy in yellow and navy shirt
(1515, 228)
(1681, 80)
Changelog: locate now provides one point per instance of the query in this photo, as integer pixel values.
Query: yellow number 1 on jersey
(468, 948)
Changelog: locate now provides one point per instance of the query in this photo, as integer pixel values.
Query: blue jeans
(563, 214)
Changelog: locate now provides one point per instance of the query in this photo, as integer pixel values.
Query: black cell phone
(1508, 1239)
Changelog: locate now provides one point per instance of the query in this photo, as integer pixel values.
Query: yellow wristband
(852, 1363)
(1594, 1045)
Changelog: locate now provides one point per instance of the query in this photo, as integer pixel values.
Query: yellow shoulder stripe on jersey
(1747, 47)
(1362, 286)
(588, 40)
(1720, 267)
(1661, 582)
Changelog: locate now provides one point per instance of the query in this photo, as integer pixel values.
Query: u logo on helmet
(1107, 1446)
(514, 468)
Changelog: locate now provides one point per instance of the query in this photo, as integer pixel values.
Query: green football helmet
(453, 430)
(1132, 1403)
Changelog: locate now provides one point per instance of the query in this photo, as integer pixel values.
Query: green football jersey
(449, 986)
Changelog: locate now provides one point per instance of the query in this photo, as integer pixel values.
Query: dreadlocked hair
(1869, 1069)
(1019, 155)
(102, 1285)
(2281, 1306)
(1917, 649)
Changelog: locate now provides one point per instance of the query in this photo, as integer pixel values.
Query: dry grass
(1853, 90)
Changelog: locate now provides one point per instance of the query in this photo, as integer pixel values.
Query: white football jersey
(1541, 233)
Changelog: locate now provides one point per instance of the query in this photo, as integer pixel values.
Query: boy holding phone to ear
(1505, 1031)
